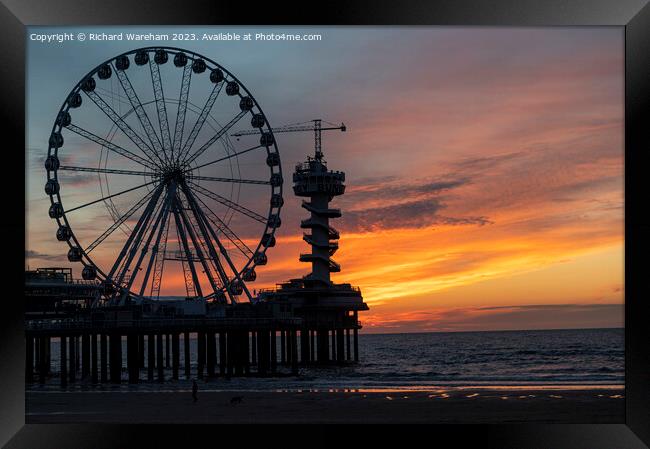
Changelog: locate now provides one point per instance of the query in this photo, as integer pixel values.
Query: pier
(124, 320)
(115, 351)
(310, 321)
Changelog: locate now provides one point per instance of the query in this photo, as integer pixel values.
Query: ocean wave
(577, 357)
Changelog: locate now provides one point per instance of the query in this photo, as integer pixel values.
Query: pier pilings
(160, 364)
(176, 356)
(29, 360)
(63, 361)
(73, 367)
(151, 357)
(212, 353)
(93, 364)
(115, 357)
(103, 358)
(210, 350)
(186, 353)
(85, 355)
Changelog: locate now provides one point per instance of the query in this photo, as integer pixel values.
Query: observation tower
(313, 180)
(329, 311)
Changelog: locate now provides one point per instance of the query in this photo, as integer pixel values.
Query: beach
(568, 376)
(549, 404)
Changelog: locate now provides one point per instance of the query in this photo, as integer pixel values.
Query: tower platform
(328, 311)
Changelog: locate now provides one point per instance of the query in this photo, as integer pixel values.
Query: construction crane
(312, 125)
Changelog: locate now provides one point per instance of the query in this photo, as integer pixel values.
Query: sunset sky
(484, 166)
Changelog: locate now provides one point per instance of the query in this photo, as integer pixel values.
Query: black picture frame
(633, 15)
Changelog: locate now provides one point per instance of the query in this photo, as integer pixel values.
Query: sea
(423, 361)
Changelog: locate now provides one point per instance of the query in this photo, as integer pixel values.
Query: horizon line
(499, 330)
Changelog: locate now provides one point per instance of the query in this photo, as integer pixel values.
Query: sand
(481, 405)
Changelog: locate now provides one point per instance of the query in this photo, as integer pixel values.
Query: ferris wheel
(146, 187)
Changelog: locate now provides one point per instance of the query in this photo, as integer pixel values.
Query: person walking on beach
(195, 388)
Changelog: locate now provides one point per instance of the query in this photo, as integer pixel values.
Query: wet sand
(480, 405)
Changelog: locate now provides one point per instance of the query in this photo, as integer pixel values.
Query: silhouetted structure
(92, 316)
(52, 293)
(328, 311)
(304, 321)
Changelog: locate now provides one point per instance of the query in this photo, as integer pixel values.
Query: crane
(312, 125)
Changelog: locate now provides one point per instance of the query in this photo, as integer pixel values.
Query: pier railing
(280, 286)
(156, 323)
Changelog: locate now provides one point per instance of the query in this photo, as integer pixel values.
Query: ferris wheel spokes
(67, 211)
(229, 156)
(195, 243)
(139, 234)
(182, 109)
(186, 248)
(161, 108)
(142, 232)
(148, 210)
(164, 229)
(226, 202)
(125, 128)
(188, 160)
(230, 180)
(143, 118)
(112, 147)
(158, 254)
(160, 218)
(208, 232)
(108, 171)
(201, 239)
(118, 222)
(198, 125)
(225, 229)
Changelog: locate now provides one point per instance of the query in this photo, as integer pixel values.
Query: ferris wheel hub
(173, 174)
